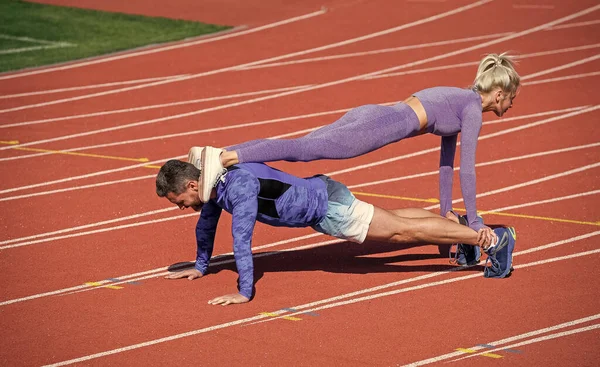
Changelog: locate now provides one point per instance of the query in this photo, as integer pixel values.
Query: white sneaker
(211, 170)
(194, 156)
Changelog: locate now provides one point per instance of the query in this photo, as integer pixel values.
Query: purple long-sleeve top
(450, 111)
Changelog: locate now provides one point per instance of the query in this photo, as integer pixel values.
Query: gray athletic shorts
(347, 217)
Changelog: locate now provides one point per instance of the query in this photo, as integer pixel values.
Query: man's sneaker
(500, 255)
(194, 156)
(210, 172)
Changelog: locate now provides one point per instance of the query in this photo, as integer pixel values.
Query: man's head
(178, 182)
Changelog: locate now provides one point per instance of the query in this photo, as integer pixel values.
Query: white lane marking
(149, 107)
(577, 24)
(474, 63)
(527, 183)
(256, 318)
(565, 66)
(40, 193)
(33, 48)
(89, 86)
(31, 40)
(561, 78)
(378, 51)
(136, 224)
(547, 201)
(236, 67)
(507, 340)
(482, 164)
(71, 229)
(535, 340)
(197, 41)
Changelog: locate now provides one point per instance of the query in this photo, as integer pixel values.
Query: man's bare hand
(191, 274)
(485, 237)
(228, 299)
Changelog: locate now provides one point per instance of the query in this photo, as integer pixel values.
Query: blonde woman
(442, 111)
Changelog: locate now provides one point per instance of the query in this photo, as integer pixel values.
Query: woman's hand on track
(228, 299)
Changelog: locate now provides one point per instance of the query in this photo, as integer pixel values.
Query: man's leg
(389, 227)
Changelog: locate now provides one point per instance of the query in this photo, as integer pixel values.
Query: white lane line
(200, 40)
(561, 78)
(481, 164)
(212, 72)
(97, 224)
(89, 86)
(527, 183)
(33, 48)
(475, 63)
(31, 40)
(535, 340)
(578, 24)
(547, 201)
(507, 340)
(155, 106)
(260, 317)
(378, 51)
(41, 193)
(565, 66)
(136, 224)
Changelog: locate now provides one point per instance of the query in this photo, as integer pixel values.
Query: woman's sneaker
(210, 172)
(500, 255)
(194, 155)
(466, 254)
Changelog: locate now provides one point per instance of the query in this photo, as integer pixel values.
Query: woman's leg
(358, 132)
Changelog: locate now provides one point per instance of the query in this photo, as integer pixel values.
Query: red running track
(78, 209)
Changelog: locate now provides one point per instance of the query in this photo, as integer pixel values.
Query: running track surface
(85, 241)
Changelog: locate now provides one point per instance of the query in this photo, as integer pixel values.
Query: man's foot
(500, 255)
(194, 155)
(210, 172)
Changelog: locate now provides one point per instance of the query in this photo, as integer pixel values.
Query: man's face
(188, 198)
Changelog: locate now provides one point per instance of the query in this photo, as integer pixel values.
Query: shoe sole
(205, 189)
(194, 155)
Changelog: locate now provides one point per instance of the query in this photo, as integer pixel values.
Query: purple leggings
(360, 131)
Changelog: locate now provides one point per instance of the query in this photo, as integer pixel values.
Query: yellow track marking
(465, 350)
(492, 355)
(9, 142)
(15, 142)
(271, 314)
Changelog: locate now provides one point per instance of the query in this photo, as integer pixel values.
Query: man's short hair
(173, 177)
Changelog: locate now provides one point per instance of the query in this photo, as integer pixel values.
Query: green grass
(91, 32)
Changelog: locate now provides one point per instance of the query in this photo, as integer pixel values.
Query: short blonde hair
(497, 71)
